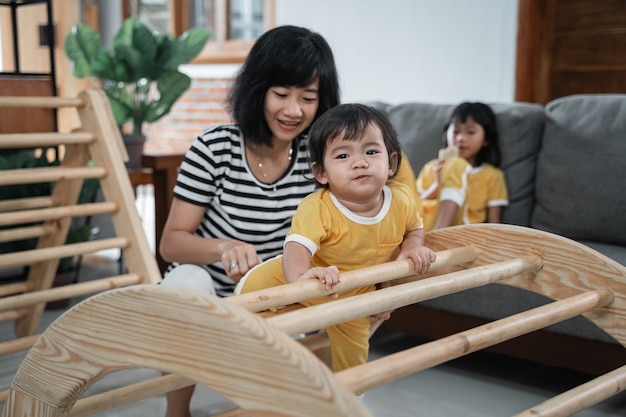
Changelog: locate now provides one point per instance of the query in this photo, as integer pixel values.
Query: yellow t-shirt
(473, 189)
(336, 236)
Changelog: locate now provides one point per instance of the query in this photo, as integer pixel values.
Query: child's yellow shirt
(473, 189)
(336, 236)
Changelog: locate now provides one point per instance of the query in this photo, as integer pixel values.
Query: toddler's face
(356, 170)
(468, 137)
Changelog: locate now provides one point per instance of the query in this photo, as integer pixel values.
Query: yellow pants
(349, 342)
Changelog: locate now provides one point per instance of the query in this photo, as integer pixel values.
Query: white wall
(443, 51)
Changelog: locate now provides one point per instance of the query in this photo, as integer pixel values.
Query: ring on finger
(232, 265)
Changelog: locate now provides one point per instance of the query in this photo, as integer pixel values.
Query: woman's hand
(238, 258)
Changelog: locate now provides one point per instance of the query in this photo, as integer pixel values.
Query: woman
(240, 184)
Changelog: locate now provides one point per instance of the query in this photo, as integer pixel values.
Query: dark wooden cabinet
(570, 47)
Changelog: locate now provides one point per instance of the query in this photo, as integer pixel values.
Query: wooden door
(570, 47)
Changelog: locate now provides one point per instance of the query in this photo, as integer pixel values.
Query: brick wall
(201, 106)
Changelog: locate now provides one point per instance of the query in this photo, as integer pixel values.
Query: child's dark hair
(484, 116)
(285, 56)
(350, 121)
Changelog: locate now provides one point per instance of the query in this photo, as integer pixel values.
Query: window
(235, 24)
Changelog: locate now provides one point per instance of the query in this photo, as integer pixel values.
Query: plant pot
(61, 279)
(134, 147)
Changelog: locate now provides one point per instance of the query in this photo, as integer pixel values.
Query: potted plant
(139, 74)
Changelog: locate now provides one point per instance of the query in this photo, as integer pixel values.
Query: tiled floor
(480, 385)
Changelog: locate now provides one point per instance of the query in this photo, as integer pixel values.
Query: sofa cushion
(581, 169)
(520, 126)
(420, 130)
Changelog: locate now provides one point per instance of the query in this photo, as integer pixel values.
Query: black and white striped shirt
(216, 175)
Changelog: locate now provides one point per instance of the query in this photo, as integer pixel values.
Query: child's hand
(437, 169)
(421, 256)
(329, 276)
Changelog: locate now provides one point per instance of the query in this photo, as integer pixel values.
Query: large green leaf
(82, 46)
(171, 85)
(135, 34)
(137, 65)
(175, 52)
(137, 46)
(108, 66)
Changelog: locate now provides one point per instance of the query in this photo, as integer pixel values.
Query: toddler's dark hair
(484, 116)
(350, 121)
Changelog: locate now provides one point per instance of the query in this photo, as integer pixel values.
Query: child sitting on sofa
(465, 184)
(356, 219)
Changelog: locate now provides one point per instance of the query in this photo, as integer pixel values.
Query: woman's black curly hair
(285, 56)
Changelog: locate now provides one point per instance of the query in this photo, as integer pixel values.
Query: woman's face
(289, 111)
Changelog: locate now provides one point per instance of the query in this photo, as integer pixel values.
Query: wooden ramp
(252, 359)
(94, 150)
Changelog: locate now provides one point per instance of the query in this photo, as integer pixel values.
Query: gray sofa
(565, 166)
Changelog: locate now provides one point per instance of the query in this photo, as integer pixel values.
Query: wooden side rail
(92, 150)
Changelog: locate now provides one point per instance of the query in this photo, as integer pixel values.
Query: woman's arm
(180, 244)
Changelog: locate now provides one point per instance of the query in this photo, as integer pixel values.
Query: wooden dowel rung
(292, 293)
(14, 288)
(44, 102)
(68, 291)
(16, 345)
(128, 394)
(322, 316)
(398, 365)
(40, 140)
(21, 233)
(581, 397)
(12, 315)
(26, 203)
(54, 213)
(52, 174)
(29, 257)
